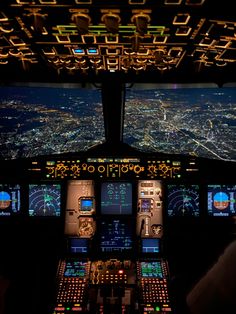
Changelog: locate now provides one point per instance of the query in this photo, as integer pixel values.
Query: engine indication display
(116, 198)
(44, 200)
(183, 200)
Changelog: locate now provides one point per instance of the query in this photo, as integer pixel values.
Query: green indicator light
(157, 308)
(68, 308)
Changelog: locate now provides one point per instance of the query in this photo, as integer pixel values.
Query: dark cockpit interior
(117, 152)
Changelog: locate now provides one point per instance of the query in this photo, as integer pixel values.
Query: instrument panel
(183, 200)
(139, 194)
(44, 200)
(9, 199)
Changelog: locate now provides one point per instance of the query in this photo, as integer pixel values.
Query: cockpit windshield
(189, 120)
(45, 120)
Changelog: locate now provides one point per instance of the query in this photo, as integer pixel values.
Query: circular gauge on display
(9, 199)
(5, 200)
(183, 200)
(221, 200)
(44, 200)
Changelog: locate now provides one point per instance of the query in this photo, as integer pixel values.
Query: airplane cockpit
(118, 154)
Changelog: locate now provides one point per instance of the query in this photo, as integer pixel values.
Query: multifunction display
(222, 200)
(183, 200)
(116, 198)
(9, 199)
(75, 268)
(116, 236)
(44, 200)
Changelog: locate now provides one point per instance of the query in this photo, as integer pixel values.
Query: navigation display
(116, 198)
(221, 200)
(116, 236)
(9, 199)
(183, 200)
(44, 200)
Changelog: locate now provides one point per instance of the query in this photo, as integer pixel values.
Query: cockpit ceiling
(77, 38)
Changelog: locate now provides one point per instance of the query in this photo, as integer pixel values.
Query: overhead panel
(129, 36)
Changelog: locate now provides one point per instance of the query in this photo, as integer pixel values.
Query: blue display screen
(44, 200)
(151, 245)
(183, 200)
(116, 236)
(77, 245)
(221, 200)
(9, 199)
(86, 204)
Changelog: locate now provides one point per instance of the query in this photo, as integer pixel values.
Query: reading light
(82, 22)
(111, 21)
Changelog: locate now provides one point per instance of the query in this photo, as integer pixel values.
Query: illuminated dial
(157, 229)
(183, 200)
(86, 227)
(44, 199)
